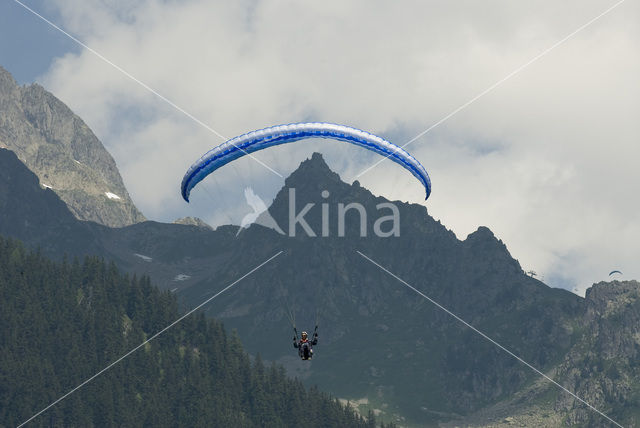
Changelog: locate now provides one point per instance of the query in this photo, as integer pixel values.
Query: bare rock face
(62, 151)
(602, 368)
(193, 221)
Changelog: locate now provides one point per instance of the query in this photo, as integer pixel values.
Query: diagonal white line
(490, 339)
(499, 82)
(144, 85)
(151, 338)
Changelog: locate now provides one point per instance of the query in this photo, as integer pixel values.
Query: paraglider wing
(281, 134)
(614, 271)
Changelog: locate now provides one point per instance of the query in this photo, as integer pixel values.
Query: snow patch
(145, 258)
(181, 277)
(112, 195)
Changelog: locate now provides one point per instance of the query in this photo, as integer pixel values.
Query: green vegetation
(60, 323)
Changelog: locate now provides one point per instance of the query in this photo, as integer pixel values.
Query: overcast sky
(547, 159)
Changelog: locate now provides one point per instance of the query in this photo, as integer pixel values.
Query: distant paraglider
(281, 134)
(613, 272)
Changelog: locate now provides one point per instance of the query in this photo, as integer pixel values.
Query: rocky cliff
(62, 151)
(603, 368)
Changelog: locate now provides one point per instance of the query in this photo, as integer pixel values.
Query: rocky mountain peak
(64, 153)
(193, 221)
(480, 234)
(7, 83)
(315, 195)
(313, 170)
(484, 243)
(605, 299)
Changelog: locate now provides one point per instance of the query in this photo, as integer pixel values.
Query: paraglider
(615, 271)
(304, 345)
(281, 134)
(305, 350)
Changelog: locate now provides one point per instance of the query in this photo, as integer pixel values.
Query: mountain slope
(63, 152)
(600, 368)
(37, 216)
(62, 323)
(379, 340)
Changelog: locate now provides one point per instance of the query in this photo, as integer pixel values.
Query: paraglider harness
(303, 345)
(305, 350)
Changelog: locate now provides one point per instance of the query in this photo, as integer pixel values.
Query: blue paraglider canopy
(281, 134)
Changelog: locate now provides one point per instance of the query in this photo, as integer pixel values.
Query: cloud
(548, 160)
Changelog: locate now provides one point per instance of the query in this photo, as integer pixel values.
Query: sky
(531, 133)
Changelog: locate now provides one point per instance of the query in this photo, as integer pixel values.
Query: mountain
(381, 344)
(379, 339)
(63, 152)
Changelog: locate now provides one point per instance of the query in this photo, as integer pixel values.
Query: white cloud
(548, 160)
